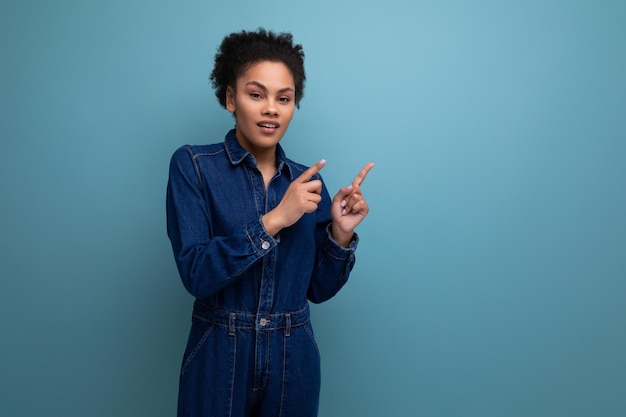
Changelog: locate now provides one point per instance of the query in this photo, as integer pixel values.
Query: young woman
(255, 235)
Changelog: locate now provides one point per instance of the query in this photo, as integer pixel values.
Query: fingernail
(343, 203)
(323, 162)
(349, 187)
(343, 212)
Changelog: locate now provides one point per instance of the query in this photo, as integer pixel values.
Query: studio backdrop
(491, 273)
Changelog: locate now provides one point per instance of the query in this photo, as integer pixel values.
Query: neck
(264, 157)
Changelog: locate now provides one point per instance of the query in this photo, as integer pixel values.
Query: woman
(255, 235)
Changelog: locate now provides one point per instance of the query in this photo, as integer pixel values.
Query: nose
(270, 108)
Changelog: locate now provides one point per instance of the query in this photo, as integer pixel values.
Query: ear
(230, 99)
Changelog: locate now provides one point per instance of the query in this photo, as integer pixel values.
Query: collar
(237, 154)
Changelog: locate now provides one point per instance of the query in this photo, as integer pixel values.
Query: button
(263, 322)
(265, 244)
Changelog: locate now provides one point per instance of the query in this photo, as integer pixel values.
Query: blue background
(491, 275)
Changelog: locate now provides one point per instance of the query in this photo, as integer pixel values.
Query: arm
(337, 240)
(206, 263)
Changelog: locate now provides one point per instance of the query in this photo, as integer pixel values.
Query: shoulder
(195, 151)
(186, 159)
(190, 154)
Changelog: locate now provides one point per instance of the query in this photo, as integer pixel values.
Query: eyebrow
(261, 86)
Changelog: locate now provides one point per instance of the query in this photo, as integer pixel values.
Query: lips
(268, 125)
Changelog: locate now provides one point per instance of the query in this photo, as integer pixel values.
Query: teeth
(268, 125)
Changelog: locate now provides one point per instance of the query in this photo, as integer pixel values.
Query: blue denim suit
(251, 350)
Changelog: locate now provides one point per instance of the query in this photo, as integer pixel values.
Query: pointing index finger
(362, 174)
(309, 173)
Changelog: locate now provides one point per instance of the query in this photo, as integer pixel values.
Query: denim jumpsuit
(251, 350)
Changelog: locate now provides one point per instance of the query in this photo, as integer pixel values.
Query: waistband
(249, 321)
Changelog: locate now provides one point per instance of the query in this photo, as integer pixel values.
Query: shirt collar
(237, 154)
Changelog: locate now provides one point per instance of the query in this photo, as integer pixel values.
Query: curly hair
(240, 50)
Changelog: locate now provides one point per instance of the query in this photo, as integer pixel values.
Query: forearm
(208, 266)
(334, 262)
(342, 238)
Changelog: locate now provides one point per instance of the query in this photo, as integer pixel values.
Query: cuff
(260, 238)
(335, 249)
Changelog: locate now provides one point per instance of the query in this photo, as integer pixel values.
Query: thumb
(342, 193)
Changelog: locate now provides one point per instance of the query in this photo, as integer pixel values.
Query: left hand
(349, 208)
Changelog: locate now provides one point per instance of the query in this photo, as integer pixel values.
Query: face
(264, 104)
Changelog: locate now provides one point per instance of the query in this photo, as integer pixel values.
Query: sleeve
(206, 263)
(333, 262)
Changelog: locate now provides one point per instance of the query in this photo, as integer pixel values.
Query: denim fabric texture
(251, 349)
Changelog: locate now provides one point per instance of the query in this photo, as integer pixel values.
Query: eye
(284, 100)
(256, 96)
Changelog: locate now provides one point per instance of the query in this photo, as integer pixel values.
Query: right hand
(302, 196)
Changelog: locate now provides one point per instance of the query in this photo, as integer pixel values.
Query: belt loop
(231, 324)
(288, 324)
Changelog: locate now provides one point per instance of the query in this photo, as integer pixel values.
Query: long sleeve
(333, 263)
(207, 263)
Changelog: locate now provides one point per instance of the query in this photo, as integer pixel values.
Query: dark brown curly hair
(238, 51)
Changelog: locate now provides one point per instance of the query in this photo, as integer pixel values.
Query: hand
(349, 208)
(302, 196)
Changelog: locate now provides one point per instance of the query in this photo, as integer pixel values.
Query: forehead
(269, 73)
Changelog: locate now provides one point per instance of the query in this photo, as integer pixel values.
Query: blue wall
(491, 276)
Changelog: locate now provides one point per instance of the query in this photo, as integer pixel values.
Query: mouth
(268, 125)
